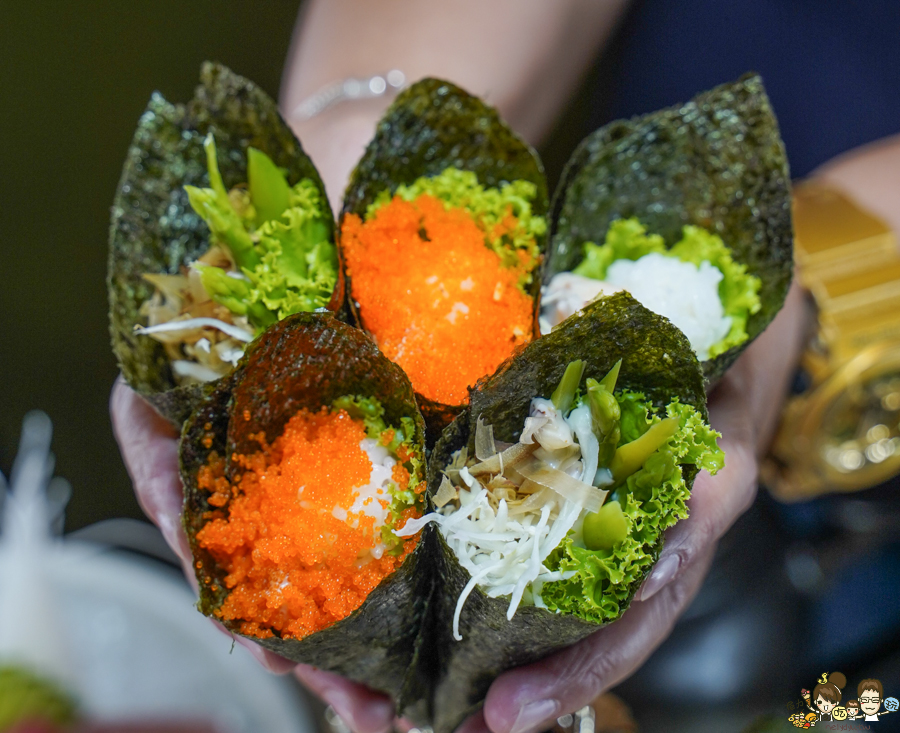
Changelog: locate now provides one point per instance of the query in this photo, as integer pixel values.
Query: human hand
(149, 446)
(744, 408)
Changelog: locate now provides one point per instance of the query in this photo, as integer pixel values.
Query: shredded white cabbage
(502, 525)
(193, 323)
(193, 329)
(198, 372)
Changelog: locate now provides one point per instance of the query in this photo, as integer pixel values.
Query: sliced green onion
(269, 189)
(564, 394)
(606, 527)
(632, 456)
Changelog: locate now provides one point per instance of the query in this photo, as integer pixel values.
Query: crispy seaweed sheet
(431, 126)
(716, 162)
(153, 228)
(306, 361)
(656, 360)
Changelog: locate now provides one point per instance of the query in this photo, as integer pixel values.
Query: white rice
(566, 294)
(374, 498)
(682, 292)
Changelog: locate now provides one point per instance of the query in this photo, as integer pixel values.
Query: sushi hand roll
(220, 228)
(298, 468)
(269, 256)
(688, 209)
(553, 490)
(303, 466)
(442, 238)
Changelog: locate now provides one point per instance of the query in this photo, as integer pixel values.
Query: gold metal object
(843, 432)
(607, 713)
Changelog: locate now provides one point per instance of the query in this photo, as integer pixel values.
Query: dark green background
(74, 78)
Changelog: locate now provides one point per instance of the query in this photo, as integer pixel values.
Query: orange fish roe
(293, 567)
(444, 307)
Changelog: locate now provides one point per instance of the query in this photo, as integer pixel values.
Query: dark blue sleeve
(832, 69)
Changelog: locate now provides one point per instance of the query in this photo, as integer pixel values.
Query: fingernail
(533, 714)
(665, 570)
(344, 706)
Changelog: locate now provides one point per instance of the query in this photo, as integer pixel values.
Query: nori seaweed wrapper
(307, 361)
(431, 126)
(153, 228)
(657, 360)
(717, 162)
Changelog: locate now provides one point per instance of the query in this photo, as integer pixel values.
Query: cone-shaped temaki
(303, 465)
(688, 208)
(553, 491)
(297, 468)
(220, 227)
(442, 234)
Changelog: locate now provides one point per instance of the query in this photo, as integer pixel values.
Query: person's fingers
(530, 698)
(474, 724)
(715, 503)
(149, 446)
(744, 409)
(362, 709)
(758, 383)
(271, 661)
(404, 725)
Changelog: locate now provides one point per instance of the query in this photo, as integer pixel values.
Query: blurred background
(75, 78)
(796, 590)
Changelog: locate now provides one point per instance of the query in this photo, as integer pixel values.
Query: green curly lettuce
(627, 239)
(489, 207)
(652, 500)
(401, 442)
(277, 236)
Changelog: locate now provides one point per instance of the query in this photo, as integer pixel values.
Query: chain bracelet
(348, 90)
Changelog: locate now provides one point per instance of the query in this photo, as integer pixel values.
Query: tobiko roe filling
(301, 529)
(440, 303)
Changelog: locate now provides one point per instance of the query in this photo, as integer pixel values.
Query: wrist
(870, 176)
(336, 140)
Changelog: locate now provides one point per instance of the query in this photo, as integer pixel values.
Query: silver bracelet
(349, 89)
